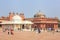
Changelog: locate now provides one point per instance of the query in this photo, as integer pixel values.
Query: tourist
(38, 30)
(11, 31)
(8, 32)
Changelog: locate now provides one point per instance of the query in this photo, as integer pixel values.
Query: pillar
(10, 26)
(21, 27)
(30, 27)
(55, 26)
(42, 26)
(2, 27)
(15, 28)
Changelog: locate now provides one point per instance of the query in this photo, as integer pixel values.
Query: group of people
(10, 32)
(37, 29)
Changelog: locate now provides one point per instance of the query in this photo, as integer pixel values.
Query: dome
(39, 15)
(17, 18)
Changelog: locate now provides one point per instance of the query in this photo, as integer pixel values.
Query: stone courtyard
(28, 35)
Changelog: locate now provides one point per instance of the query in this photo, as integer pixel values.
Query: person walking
(12, 32)
(39, 30)
(8, 31)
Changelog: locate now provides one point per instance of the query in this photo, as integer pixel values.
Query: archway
(50, 26)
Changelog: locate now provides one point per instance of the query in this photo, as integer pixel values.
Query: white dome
(17, 18)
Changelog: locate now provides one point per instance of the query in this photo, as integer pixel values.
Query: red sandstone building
(39, 20)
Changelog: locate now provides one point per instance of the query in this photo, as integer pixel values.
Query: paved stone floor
(30, 36)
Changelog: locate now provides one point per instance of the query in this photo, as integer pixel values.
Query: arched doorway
(23, 26)
(49, 26)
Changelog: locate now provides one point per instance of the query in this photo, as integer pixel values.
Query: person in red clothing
(12, 32)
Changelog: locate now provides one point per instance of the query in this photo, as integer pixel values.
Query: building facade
(16, 22)
(39, 20)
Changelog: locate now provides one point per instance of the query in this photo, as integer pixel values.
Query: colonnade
(16, 27)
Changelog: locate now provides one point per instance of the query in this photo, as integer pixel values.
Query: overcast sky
(51, 8)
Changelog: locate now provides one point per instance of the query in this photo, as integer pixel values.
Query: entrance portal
(49, 26)
(23, 27)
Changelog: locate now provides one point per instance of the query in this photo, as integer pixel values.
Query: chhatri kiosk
(16, 24)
